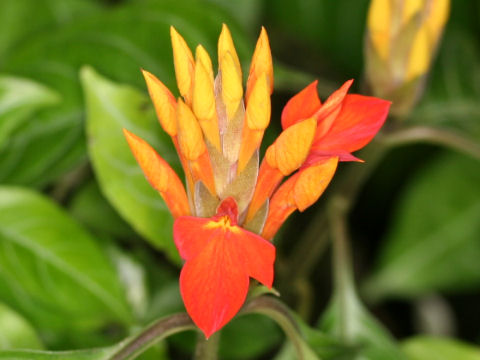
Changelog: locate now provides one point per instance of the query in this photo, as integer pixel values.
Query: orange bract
(218, 138)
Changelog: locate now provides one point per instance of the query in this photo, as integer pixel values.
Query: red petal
(357, 123)
(191, 235)
(214, 284)
(258, 256)
(327, 114)
(301, 106)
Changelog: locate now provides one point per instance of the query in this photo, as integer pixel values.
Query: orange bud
(160, 175)
(298, 192)
(164, 103)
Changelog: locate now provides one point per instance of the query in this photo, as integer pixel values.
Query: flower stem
(159, 330)
(344, 287)
(432, 135)
(278, 312)
(207, 349)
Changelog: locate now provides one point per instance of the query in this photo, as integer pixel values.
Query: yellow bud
(225, 45)
(437, 18)
(190, 138)
(419, 59)
(184, 64)
(258, 107)
(410, 8)
(202, 56)
(164, 103)
(232, 90)
(261, 63)
(204, 103)
(291, 148)
(379, 21)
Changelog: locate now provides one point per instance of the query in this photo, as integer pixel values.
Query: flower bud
(401, 40)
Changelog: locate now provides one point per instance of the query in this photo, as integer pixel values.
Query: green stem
(344, 287)
(278, 312)
(432, 135)
(154, 333)
(207, 349)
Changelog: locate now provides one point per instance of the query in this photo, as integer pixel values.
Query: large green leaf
(430, 348)
(19, 98)
(20, 19)
(432, 244)
(51, 270)
(91, 209)
(117, 42)
(374, 342)
(16, 332)
(110, 108)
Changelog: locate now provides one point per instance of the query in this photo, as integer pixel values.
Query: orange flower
(231, 205)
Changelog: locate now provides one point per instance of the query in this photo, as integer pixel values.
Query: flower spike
(234, 205)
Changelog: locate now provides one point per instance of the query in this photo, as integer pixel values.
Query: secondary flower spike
(232, 206)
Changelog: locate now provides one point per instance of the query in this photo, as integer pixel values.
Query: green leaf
(16, 332)
(117, 42)
(110, 108)
(19, 98)
(17, 22)
(91, 209)
(435, 230)
(364, 331)
(51, 270)
(431, 348)
(248, 337)
(95, 354)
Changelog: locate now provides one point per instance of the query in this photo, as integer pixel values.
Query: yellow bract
(184, 64)
(261, 64)
(190, 136)
(292, 146)
(312, 182)
(258, 107)
(204, 102)
(232, 90)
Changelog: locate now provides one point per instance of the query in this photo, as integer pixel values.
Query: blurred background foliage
(86, 255)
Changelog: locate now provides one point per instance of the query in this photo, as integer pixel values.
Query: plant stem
(278, 312)
(432, 135)
(344, 288)
(157, 331)
(207, 349)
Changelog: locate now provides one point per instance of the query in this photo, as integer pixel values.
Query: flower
(232, 206)
(402, 37)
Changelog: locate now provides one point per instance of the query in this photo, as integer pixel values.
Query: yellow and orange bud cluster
(401, 40)
(216, 135)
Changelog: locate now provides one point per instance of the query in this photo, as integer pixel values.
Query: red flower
(220, 257)
(231, 205)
